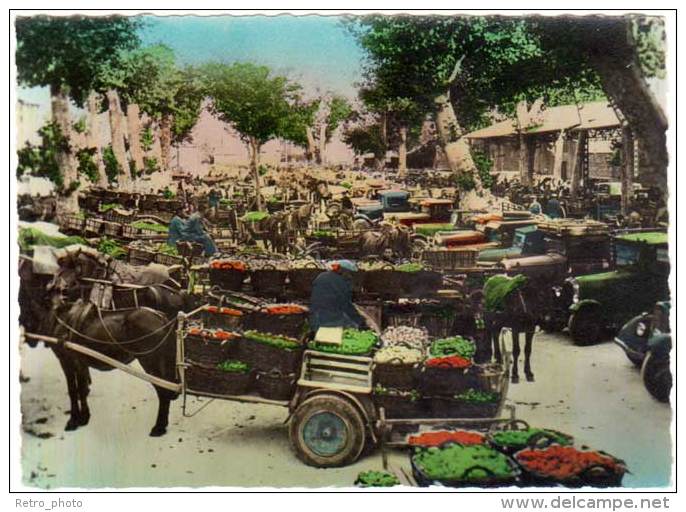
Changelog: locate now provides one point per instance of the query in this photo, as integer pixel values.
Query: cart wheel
(585, 326)
(657, 377)
(327, 431)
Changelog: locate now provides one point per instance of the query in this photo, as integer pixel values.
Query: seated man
(331, 302)
(177, 227)
(195, 232)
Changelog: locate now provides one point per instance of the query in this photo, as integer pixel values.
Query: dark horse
(145, 333)
(517, 311)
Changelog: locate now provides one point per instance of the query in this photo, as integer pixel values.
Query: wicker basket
(115, 215)
(208, 352)
(447, 407)
(396, 375)
(291, 326)
(387, 283)
(128, 231)
(445, 381)
(138, 256)
(221, 320)
(227, 279)
(168, 259)
(401, 406)
(423, 480)
(93, 226)
(447, 259)
(275, 385)
(269, 281)
(437, 326)
(397, 318)
(300, 280)
(112, 229)
(421, 283)
(207, 379)
(264, 357)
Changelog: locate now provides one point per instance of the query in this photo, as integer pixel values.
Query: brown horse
(518, 312)
(395, 238)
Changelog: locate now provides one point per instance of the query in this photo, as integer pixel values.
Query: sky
(315, 50)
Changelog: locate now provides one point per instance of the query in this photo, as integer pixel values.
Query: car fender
(585, 303)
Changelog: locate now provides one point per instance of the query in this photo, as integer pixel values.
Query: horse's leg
(495, 340)
(515, 356)
(528, 345)
(72, 387)
(164, 396)
(84, 380)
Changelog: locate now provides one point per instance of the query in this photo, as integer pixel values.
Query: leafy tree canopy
(68, 52)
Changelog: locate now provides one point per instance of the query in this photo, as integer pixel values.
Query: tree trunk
(254, 149)
(133, 116)
(523, 160)
(322, 143)
(165, 141)
(577, 162)
(118, 140)
(559, 156)
(402, 151)
(93, 136)
(627, 169)
(61, 117)
(311, 153)
(454, 145)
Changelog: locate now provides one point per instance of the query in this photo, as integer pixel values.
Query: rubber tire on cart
(585, 326)
(657, 376)
(327, 431)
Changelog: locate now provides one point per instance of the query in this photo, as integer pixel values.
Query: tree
(66, 54)
(256, 103)
(367, 138)
(461, 68)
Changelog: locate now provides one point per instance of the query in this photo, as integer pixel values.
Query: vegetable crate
(447, 259)
(336, 371)
(115, 215)
(93, 226)
(112, 229)
(169, 259)
(72, 222)
(138, 256)
(128, 231)
(209, 379)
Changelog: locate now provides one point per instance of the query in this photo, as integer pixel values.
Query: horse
(516, 311)
(143, 332)
(390, 237)
(277, 232)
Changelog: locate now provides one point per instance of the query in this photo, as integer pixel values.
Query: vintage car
(607, 300)
(647, 341)
(527, 241)
(389, 201)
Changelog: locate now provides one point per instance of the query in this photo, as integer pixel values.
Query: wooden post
(577, 163)
(559, 156)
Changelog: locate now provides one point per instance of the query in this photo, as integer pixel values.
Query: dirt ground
(593, 393)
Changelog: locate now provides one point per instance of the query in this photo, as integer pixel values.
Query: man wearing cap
(331, 302)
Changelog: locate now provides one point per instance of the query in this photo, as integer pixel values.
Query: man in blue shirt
(331, 302)
(177, 228)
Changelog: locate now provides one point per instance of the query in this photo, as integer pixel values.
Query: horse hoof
(530, 377)
(515, 379)
(83, 420)
(158, 431)
(72, 424)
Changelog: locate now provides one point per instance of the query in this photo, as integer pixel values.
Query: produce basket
(117, 215)
(439, 438)
(437, 325)
(227, 279)
(384, 282)
(222, 317)
(300, 280)
(570, 467)
(207, 352)
(475, 475)
(399, 404)
(139, 256)
(396, 315)
(420, 283)
(276, 385)
(269, 281)
(209, 379)
(128, 231)
(266, 357)
(93, 226)
(444, 381)
(449, 259)
(517, 435)
(168, 259)
(292, 326)
(112, 228)
(448, 407)
(72, 222)
(396, 374)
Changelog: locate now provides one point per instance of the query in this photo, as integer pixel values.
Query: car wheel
(327, 431)
(585, 326)
(657, 376)
(635, 360)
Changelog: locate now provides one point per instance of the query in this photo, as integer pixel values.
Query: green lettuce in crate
(475, 396)
(354, 342)
(255, 216)
(167, 249)
(112, 248)
(106, 207)
(376, 479)
(455, 462)
(274, 341)
(410, 267)
(28, 237)
(233, 366)
(432, 229)
(520, 438)
(150, 226)
(456, 345)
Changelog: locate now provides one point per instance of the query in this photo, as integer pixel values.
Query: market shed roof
(596, 115)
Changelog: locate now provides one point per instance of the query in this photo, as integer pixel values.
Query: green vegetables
(410, 267)
(106, 207)
(233, 366)
(255, 216)
(475, 396)
(28, 237)
(497, 288)
(323, 233)
(521, 438)
(432, 229)
(463, 463)
(167, 249)
(354, 342)
(274, 341)
(453, 346)
(412, 394)
(150, 226)
(111, 248)
(377, 479)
